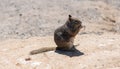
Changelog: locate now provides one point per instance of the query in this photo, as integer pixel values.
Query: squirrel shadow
(70, 53)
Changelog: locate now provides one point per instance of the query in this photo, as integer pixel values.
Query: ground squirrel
(64, 36)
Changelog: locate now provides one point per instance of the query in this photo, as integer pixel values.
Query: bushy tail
(41, 50)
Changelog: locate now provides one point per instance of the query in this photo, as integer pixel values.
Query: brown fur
(45, 49)
(64, 36)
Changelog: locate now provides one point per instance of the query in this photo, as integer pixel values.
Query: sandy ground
(99, 52)
(26, 25)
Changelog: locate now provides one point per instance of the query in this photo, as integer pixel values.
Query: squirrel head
(74, 22)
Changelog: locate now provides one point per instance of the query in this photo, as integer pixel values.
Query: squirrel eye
(75, 21)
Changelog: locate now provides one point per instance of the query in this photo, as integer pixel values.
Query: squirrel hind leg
(69, 49)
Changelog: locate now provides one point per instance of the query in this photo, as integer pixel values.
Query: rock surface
(99, 52)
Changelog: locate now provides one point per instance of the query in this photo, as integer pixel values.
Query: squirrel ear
(70, 17)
